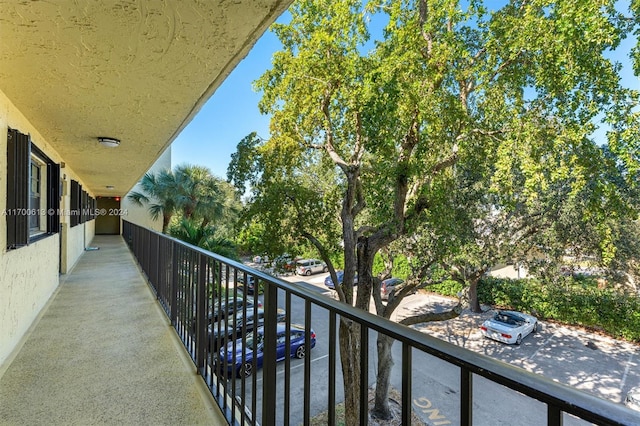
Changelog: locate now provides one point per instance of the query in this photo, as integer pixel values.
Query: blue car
(340, 275)
(235, 363)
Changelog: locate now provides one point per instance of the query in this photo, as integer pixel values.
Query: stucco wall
(140, 214)
(29, 275)
(28, 278)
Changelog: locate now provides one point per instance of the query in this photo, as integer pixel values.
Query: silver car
(310, 266)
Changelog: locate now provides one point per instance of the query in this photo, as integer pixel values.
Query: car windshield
(248, 340)
(507, 319)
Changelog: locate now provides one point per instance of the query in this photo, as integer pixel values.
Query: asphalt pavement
(593, 363)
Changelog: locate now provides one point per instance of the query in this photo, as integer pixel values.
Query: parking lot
(596, 364)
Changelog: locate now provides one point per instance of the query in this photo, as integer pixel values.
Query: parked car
(223, 307)
(233, 326)
(340, 275)
(509, 327)
(250, 286)
(632, 399)
(388, 287)
(310, 266)
(296, 349)
(227, 306)
(284, 263)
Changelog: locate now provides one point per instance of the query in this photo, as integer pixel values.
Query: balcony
(103, 352)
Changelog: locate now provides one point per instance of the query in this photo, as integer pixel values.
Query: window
(36, 207)
(33, 192)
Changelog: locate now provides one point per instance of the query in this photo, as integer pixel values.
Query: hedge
(567, 301)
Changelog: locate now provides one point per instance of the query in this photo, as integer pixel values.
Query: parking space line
(626, 372)
(533, 355)
(298, 366)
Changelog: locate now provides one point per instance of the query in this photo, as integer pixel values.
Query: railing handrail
(567, 399)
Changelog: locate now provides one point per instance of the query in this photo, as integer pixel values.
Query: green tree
(386, 128)
(205, 237)
(202, 196)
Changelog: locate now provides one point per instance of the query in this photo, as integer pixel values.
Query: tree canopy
(452, 111)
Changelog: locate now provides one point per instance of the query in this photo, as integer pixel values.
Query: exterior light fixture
(108, 142)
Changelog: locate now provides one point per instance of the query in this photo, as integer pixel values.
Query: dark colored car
(225, 307)
(234, 361)
(250, 286)
(340, 275)
(221, 331)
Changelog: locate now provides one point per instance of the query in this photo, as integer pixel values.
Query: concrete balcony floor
(103, 353)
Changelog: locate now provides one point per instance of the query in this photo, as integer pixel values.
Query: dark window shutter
(83, 201)
(18, 161)
(53, 198)
(75, 203)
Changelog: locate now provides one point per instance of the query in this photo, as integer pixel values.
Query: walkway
(103, 353)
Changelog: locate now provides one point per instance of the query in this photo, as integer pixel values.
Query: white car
(633, 399)
(509, 327)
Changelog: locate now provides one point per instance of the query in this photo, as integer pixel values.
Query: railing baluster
(466, 397)
(554, 415)
(332, 368)
(407, 369)
(307, 362)
(269, 354)
(287, 362)
(364, 375)
(174, 283)
(201, 313)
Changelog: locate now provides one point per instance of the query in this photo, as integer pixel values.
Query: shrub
(569, 301)
(449, 288)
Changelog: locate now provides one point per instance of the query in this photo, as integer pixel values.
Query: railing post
(406, 384)
(466, 397)
(201, 315)
(364, 374)
(554, 416)
(173, 285)
(269, 354)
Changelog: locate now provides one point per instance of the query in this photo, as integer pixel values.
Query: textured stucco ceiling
(134, 70)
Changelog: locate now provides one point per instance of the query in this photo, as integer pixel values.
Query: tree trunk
(474, 302)
(166, 219)
(381, 408)
(350, 353)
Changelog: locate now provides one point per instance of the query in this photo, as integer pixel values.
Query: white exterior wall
(140, 215)
(30, 275)
(509, 271)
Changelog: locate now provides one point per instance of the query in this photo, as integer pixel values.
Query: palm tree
(203, 237)
(191, 191)
(160, 193)
(202, 196)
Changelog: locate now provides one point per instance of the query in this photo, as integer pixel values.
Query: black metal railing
(194, 285)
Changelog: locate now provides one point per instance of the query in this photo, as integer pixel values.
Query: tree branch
(433, 316)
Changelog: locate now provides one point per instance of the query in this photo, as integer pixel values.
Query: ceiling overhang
(137, 71)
